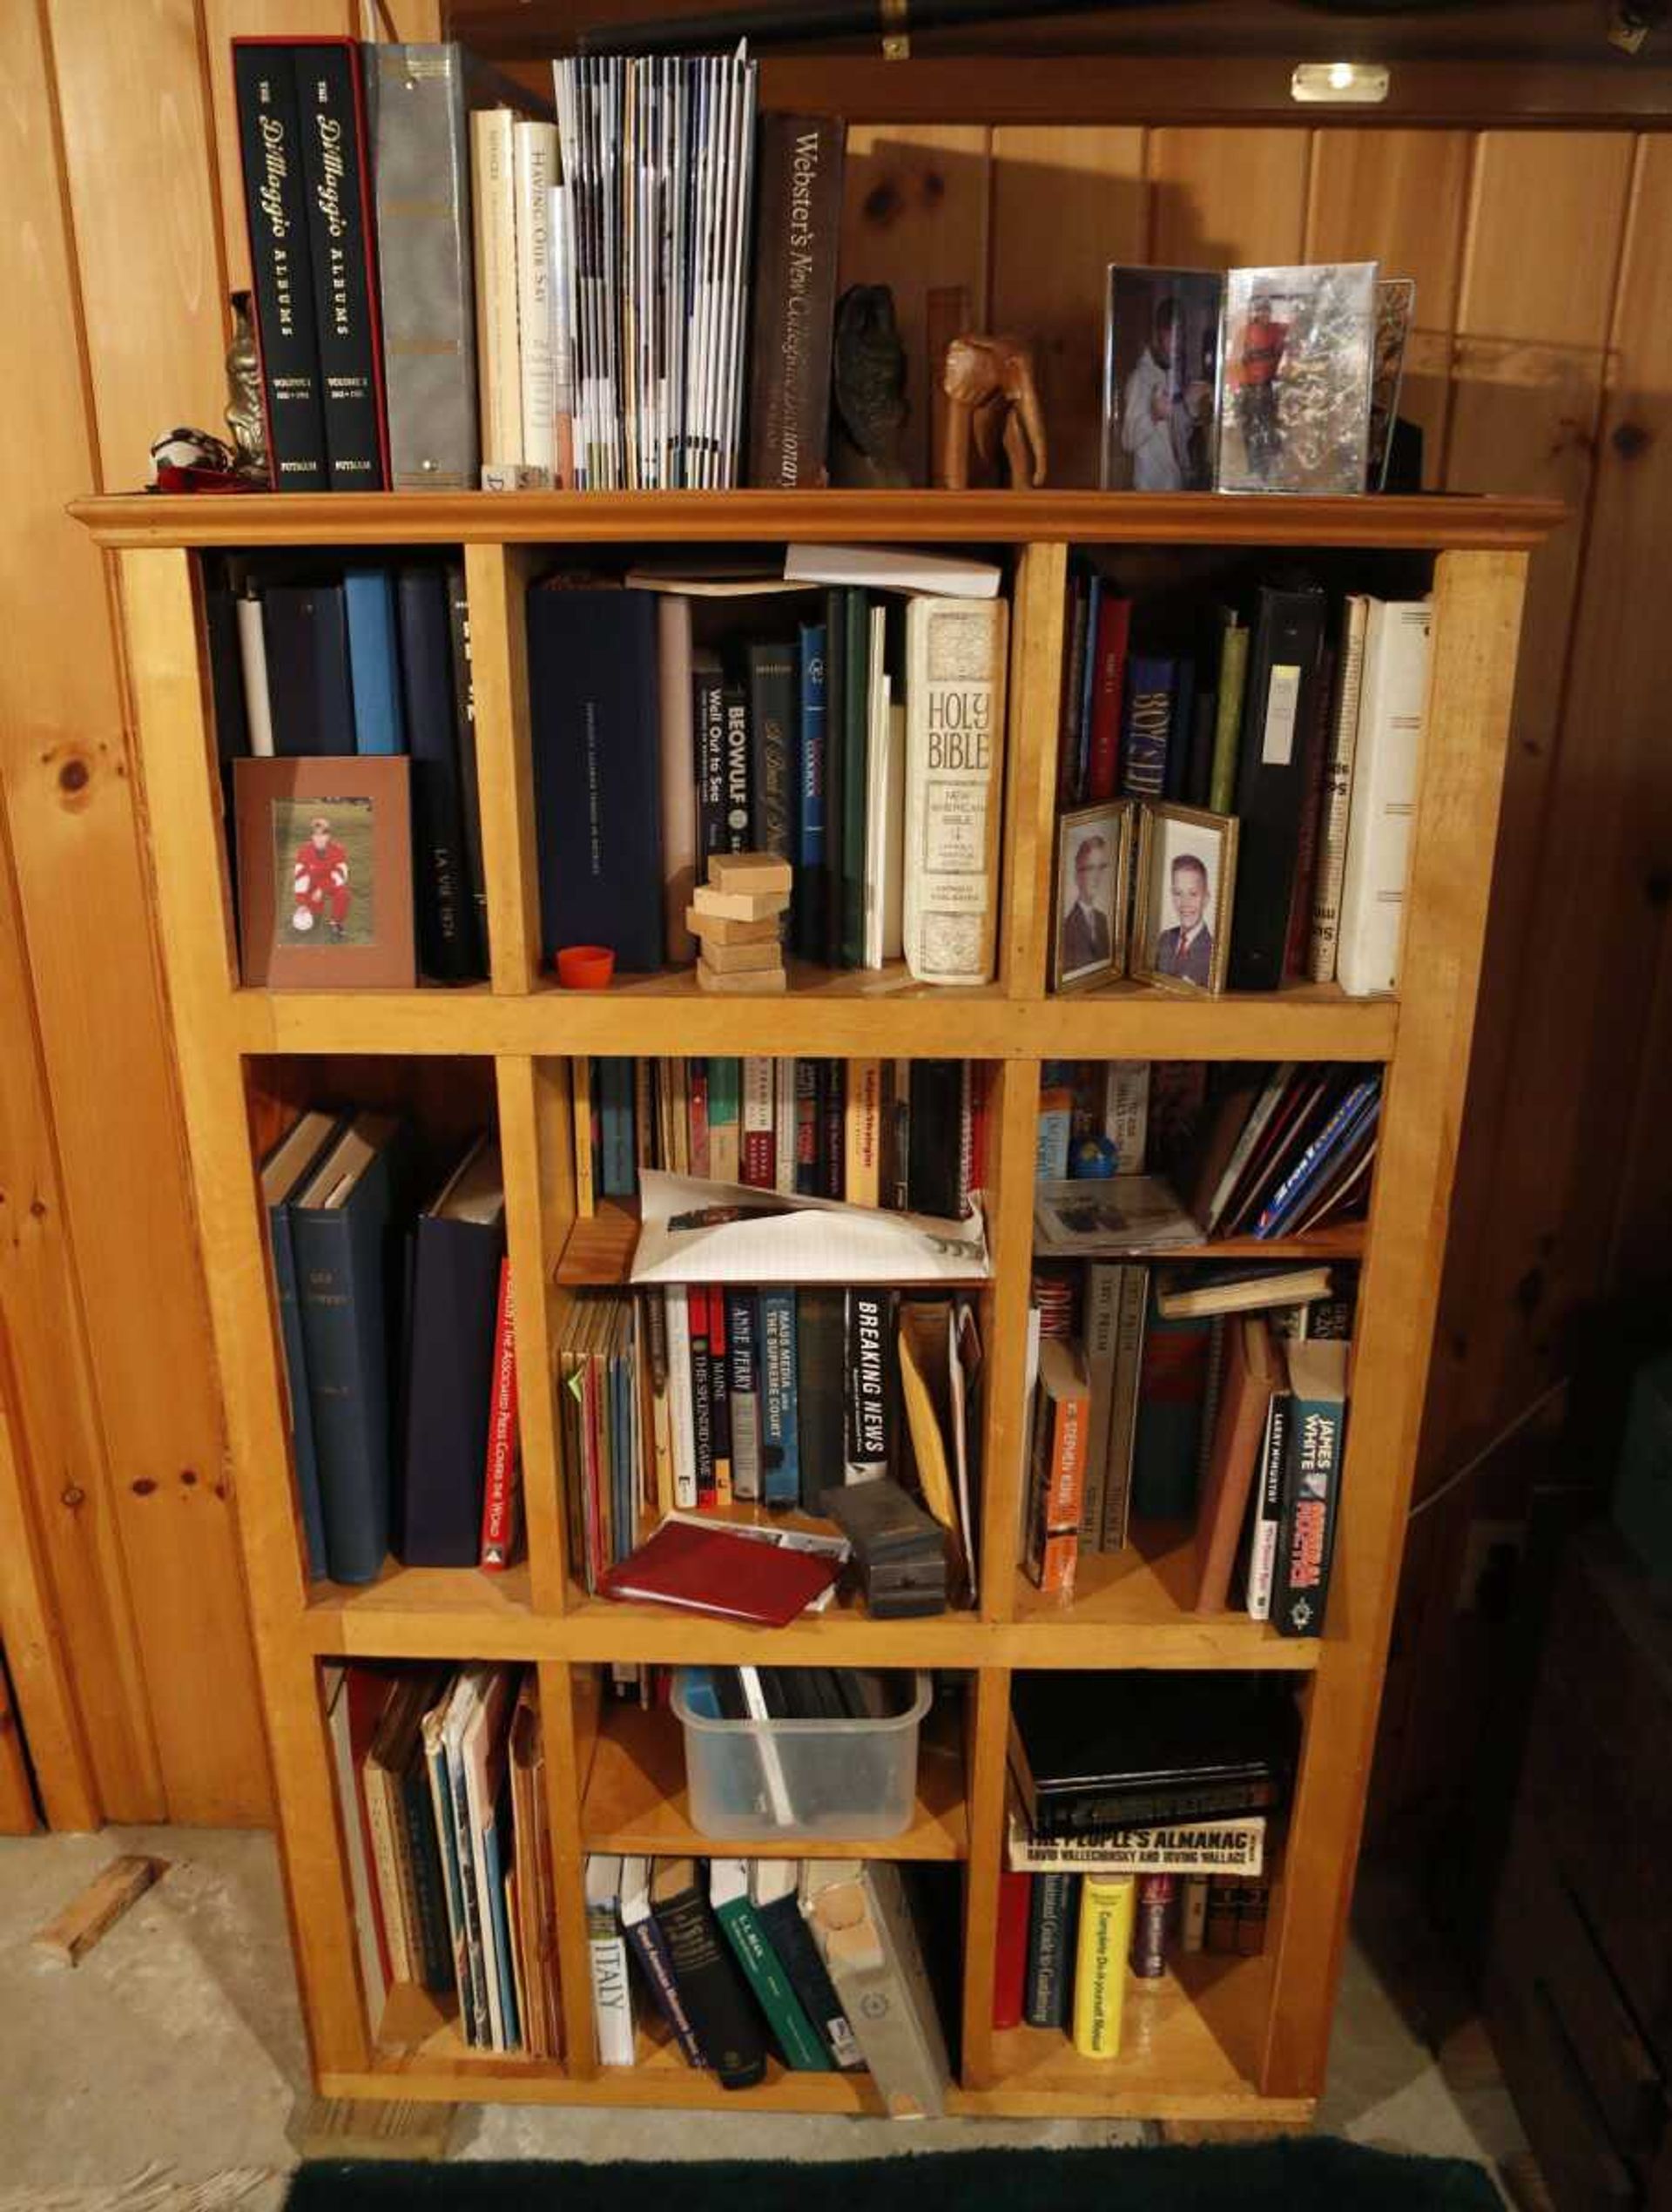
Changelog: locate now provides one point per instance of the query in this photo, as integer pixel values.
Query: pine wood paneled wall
(1543, 363)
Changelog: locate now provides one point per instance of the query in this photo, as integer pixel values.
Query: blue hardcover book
(450, 947)
(780, 1452)
(1146, 729)
(810, 894)
(497, 1851)
(1343, 1127)
(283, 1172)
(374, 661)
(596, 740)
(743, 1392)
(615, 1095)
(341, 1231)
(459, 1244)
(305, 629)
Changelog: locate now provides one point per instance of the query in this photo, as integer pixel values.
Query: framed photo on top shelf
(325, 873)
(1094, 880)
(1295, 373)
(1161, 378)
(1186, 875)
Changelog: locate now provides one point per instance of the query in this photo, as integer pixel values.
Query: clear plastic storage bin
(828, 1781)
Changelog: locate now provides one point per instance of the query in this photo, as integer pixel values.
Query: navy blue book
(460, 1241)
(1146, 730)
(374, 661)
(304, 627)
(809, 894)
(1053, 1918)
(464, 722)
(274, 192)
(850, 801)
(347, 1268)
(449, 947)
(780, 1410)
(596, 731)
(283, 1171)
(835, 767)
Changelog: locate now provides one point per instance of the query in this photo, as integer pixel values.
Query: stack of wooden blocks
(737, 917)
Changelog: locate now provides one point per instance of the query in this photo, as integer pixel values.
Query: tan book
(716, 929)
(862, 1130)
(758, 980)
(580, 1083)
(955, 747)
(741, 960)
(749, 872)
(499, 373)
(735, 905)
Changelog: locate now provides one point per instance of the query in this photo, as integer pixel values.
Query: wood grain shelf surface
(924, 1022)
(635, 1799)
(1342, 1240)
(830, 517)
(1136, 1608)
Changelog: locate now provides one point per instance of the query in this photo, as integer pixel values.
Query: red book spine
(499, 1486)
(1108, 686)
(1010, 1954)
(697, 1097)
(1297, 945)
(981, 1108)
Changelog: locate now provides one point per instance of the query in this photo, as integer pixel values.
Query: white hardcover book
(678, 782)
(1337, 792)
(784, 1126)
(1387, 764)
(534, 162)
(493, 200)
(893, 828)
(613, 1998)
(252, 657)
(682, 1413)
(954, 735)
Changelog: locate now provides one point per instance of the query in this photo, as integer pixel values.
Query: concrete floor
(166, 2073)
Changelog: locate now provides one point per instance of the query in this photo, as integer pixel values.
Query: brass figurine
(244, 416)
(992, 404)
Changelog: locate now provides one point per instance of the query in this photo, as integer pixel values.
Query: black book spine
(819, 1393)
(738, 825)
(773, 738)
(274, 206)
(423, 1844)
(464, 722)
(932, 1174)
(455, 1300)
(833, 1133)
(1271, 780)
(1163, 1807)
(310, 691)
(449, 952)
(797, 1954)
(650, 1947)
(331, 118)
(1053, 1914)
(835, 754)
(717, 2004)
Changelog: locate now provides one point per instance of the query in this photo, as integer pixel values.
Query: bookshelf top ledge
(1434, 523)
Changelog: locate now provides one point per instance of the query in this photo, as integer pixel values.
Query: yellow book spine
(581, 1097)
(1099, 1965)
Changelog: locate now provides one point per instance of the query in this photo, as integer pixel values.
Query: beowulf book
(797, 225)
(274, 206)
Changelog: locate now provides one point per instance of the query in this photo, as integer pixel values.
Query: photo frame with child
(1186, 882)
(1093, 894)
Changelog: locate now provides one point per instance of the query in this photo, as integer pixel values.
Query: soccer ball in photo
(302, 919)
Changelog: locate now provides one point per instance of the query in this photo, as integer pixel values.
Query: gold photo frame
(1092, 894)
(1186, 883)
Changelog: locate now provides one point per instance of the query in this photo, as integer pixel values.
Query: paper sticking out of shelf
(692, 1231)
(1119, 1213)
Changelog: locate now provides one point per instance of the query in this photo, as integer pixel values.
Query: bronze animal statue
(869, 391)
(992, 404)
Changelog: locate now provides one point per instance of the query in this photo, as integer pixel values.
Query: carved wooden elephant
(992, 402)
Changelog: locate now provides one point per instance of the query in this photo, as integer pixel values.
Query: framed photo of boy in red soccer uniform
(325, 873)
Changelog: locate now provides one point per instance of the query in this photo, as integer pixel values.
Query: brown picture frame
(372, 831)
(1150, 908)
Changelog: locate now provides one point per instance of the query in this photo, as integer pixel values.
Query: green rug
(1296, 2174)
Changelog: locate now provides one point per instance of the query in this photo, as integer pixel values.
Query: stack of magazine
(658, 169)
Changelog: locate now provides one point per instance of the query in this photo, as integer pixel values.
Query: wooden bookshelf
(1221, 2039)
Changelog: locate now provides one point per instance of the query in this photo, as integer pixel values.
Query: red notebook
(1010, 1950)
(714, 1570)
